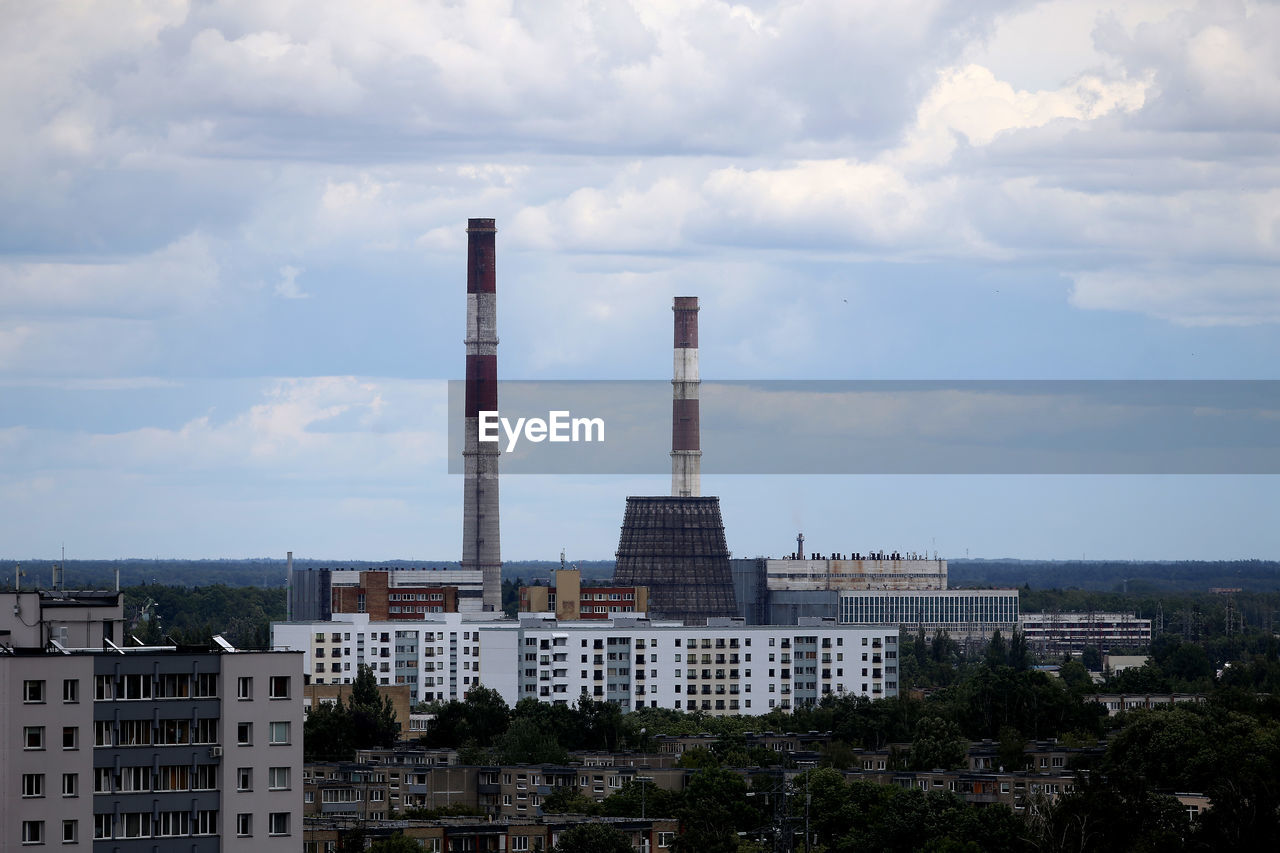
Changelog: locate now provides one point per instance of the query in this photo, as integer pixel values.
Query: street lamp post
(644, 786)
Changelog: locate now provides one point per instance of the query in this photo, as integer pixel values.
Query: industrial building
(908, 590)
(129, 748)
(675, 546)
(568, 599)
(398, 594)
(964, 614)
(724, 667)
(1055, 633)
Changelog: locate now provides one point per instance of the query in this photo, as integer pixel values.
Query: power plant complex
(442, 632)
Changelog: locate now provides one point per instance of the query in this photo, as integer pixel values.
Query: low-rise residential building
(458, 834)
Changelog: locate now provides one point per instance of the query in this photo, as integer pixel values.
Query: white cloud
(1222, 296)
(288, 286)
(181, 277)
(970, 101)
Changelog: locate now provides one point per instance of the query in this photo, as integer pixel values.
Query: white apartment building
(726, 667)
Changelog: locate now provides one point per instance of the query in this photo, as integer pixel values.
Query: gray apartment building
(150, 748)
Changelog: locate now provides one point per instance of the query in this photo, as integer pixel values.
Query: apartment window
(665, 838)
(33, 737)
(102, 825)
(519, 843)
(244, 779)
(32, 691)
(279, 687)
(70, 737)
(278, 823)
(70, 832)
(70, 785)
(278, 778)
(244, 734)
(33, 832)
(244, 687)
(244, 825)
(70, 692)
(33, 784)
(278, 733)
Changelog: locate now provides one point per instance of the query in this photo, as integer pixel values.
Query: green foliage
(194, 614)
(568, 800)
(526, 742)
(396, 843)
(326, 733)
(452, 810)
(334, 731)
(937, 743)
(593, 838)
(637, 799)
(698, 758)
(480, 719)
(714, 807)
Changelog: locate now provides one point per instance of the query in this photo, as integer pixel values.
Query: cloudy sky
(232, 254)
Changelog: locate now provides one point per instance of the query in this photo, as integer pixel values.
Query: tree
(481, 718)
(1012, 753)
(326, 733)
(938, 743)
(525, 743)
(568, 800)
(1019, 655)
(714, 808)
(640, 799)
(997, 654)
(396, 843)
(593, 838)
(372, 715)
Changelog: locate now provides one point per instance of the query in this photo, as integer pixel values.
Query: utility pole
(806, 809)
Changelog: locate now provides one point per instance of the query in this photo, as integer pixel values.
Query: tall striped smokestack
(686, 452)
(480, 531)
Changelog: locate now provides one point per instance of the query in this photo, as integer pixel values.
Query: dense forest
(1137, 577)
(263, 572)
(1118, 575)
(159, 614)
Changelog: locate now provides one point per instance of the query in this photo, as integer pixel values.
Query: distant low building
(386, 594)
(1116, 703)
(535, 835)
(569, 599)
(906, 590)
(1119, 663)
(1055, 633)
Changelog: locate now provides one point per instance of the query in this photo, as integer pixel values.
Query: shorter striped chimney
(686, 452)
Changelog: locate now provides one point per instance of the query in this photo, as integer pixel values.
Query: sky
(232, 255)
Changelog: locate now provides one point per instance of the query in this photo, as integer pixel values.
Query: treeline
(1117, 575)
(264, 572)
(158, 614)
